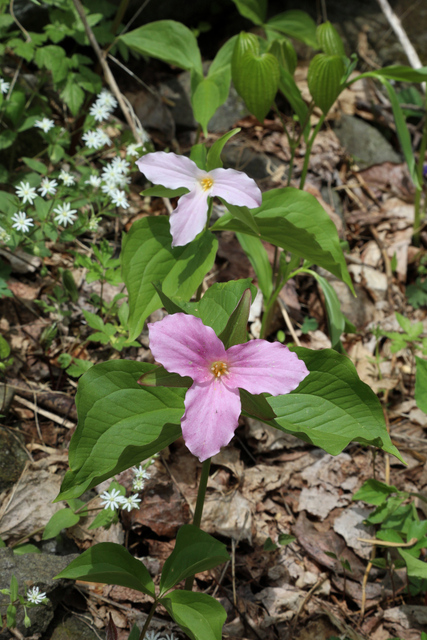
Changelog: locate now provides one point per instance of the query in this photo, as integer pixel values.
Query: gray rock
(74, 629)
(12, 458)
(33, 569)
(258, 166)
(364, 142)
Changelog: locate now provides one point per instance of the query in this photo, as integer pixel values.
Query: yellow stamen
(206, 183)
(219, 368)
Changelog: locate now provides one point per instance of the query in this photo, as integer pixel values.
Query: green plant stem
(197, 518)
(147, 622)
(308, 152)
(419, 190)
(268, 312)
(119, 15)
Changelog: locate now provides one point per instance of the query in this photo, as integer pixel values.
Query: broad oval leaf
(195, 551)
(120, 423)
(285, 54)
(147, 257)
(200, 616)
(332, 407)
(294, 220)
(324, 79)
(245, 42)
(110, 563)
(259, 81)
(295, 23)
(62, 519)
(166, 40)
(205, 101)
(329, 40)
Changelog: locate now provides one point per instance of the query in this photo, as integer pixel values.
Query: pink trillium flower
(189, 217)
(184, 345)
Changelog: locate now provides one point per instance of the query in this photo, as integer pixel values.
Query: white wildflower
(132, 149)
(119, 199)
(111, 499)
(45, 124)
(103, 138)
(25, 192)
(109, 188)
(67, 178)
(92, 140)
(131, 503)
(4, 86)
(4, 236)
(35, 596)
(65, 215)
(138, 484)
(21, 222)
(106, 99)
(140, 472)
(48, 186)
(170, 636)
(93, 224)
(111, 173)
(120, 164)
(153, 635)
(100, 112)
(94, 181)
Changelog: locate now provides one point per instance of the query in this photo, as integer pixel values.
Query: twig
(288, 322)
(106, 69)
(400, 32)
(47, 414)
(384, 543)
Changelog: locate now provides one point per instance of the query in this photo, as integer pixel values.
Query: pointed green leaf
(294, 220)
(236, 329)
(289, 88)
(296, 24)
(120, 423)
(421, 384)
(13, 588)
(259, 82)
(329, 40)
(244, 215)
(285, 54)
(402, 73)
(213, 160)
(245, 42)
(159, 377)
(258, 258)
(110, 563)
(256, 406)
(195, 551)
(324, 79)
(416, 568)
(147, 256)
(374, 492)
(166, 40)
(62, 519)
(200, 616)
(254, 10)
(332, 407)
(336, 319)
(205, 101)
(161, 192)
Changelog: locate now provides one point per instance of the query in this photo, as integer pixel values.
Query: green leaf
(7, 138)
(332, 407)
(22, 549)
(147, 256)
(244, 43)
(336, 319)
(294, 220)
(256, 406)
(236, 329)
(62, 519)
(285, 539)
(11, 616)
(254, 10)
(195, 551)
(120, 423)
(324, 79)
(329, 40)
(374, 492)
(421, 384)
(200, 616)
(289, 88)
(159, 377)
(213, 160)
(416, 568)
(135, 633)
(110, 563)
(401, 73)
(36, 165)
(295, 23)
(94, 321)
(198, 155)
(4, 348)
(258, 258)
(205, 101)
(285, 54)
(259, 82)
(166, 40)
(244, 215)
(73, 95)
(162, 192)
(13, 588)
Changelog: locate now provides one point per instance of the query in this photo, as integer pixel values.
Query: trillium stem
(197, 518)
(419, 190)
(148, 620)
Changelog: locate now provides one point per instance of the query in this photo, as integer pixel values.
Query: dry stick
(47, 414)
(106, 69)
(288, 322)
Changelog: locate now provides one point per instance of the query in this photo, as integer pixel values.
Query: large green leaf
(286, 55)
(244, 43)
(294, 220)
(205, 101)
(258, 258)
(259, 81)
(195, 551)
(166, 40)
(120, 423)
(200, 616)
(147, 257)
(329, 40)
(62, 519)
(416, 568)
(324, 79)
(332, 406)
(254, 10)
(295, 23)
(110, 563)
(421, 384)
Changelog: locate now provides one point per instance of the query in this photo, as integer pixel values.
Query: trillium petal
(189, 217)
(169, 169)
(260, 366)
(184, 345)
(211, 417)
(236, 188)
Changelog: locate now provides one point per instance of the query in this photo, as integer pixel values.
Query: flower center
(206, 183)
(219, 368)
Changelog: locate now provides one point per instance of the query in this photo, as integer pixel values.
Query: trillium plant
(206, 372)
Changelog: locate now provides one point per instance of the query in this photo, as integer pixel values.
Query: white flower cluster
(155, 635)
(4, 236)
(115, 175)
(96, 139)
(114, 500)
(103, 106)
(4, 86)
(35, 596)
